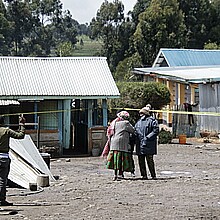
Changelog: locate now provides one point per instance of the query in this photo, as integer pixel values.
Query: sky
(84, 10)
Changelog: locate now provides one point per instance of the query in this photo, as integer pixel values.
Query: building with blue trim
(192, 76)
(62, 97)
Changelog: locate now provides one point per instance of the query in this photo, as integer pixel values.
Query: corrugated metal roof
(191, 74)
(26, 162)
(21, 172)
(190, 65)
(26, 149)
(187, 57)
(70, 76)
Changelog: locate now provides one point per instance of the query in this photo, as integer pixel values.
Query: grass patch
(87, 47)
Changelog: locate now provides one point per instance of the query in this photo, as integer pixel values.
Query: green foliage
(89, 48)
(160, 25)
(165, 137)
(211, 46)
(20, 17)
(109, 25)
(154, 24)
(135, 95)
(37, 27)
(196, 13)
(4, 31)
(139, 7)
(64, 49)
(124, 69)
(214, 26)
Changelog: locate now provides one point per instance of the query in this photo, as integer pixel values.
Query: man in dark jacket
(146, 142)
(5, 135)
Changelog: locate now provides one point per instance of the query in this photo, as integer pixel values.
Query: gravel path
(187, 188)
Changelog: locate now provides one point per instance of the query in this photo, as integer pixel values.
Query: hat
(123, 114)
(148, 107)
(144, 111)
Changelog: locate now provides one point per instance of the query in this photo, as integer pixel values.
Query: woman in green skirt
(119, 157)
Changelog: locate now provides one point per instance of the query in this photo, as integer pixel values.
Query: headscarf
(123, 115)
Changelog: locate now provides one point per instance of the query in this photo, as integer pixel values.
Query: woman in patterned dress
(119, 157)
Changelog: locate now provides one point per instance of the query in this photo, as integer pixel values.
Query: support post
(38, 132)
(90, 108)
(105, 112)
(66, 123)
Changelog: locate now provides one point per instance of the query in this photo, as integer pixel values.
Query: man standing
(5, 135)
(146, 142)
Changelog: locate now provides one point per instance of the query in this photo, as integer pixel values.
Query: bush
(135, 95)
(165, 137)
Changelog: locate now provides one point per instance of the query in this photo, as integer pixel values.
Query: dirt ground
(187, 188)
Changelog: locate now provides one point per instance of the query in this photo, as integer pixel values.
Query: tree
(64, 49)
(20, 16)
(4, 31)
(39, 27)
(83, 29)
(214, 22)
(135, 95)
(139, 7)
(124, 69)
(161, 25)
(125, 38)
(64, 28)
(106, 26)
(55, 27)
(196, 14)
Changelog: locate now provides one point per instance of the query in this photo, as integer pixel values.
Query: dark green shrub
(165, 137)
(135, 95)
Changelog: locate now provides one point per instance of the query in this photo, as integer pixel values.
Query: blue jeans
(4, 171)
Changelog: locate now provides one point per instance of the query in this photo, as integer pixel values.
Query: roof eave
(41, 98)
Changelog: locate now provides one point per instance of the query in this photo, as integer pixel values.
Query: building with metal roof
(71, 77)
(68, 93)
(188, 73)
(186, 65)
(170, 57)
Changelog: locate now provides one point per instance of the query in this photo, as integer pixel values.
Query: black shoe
(144, 178)
(5, 203)
(154, 178)
(115, 178)
(132, 174)
(121, 177)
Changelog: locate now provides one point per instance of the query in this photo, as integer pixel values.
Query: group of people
(122, 137)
